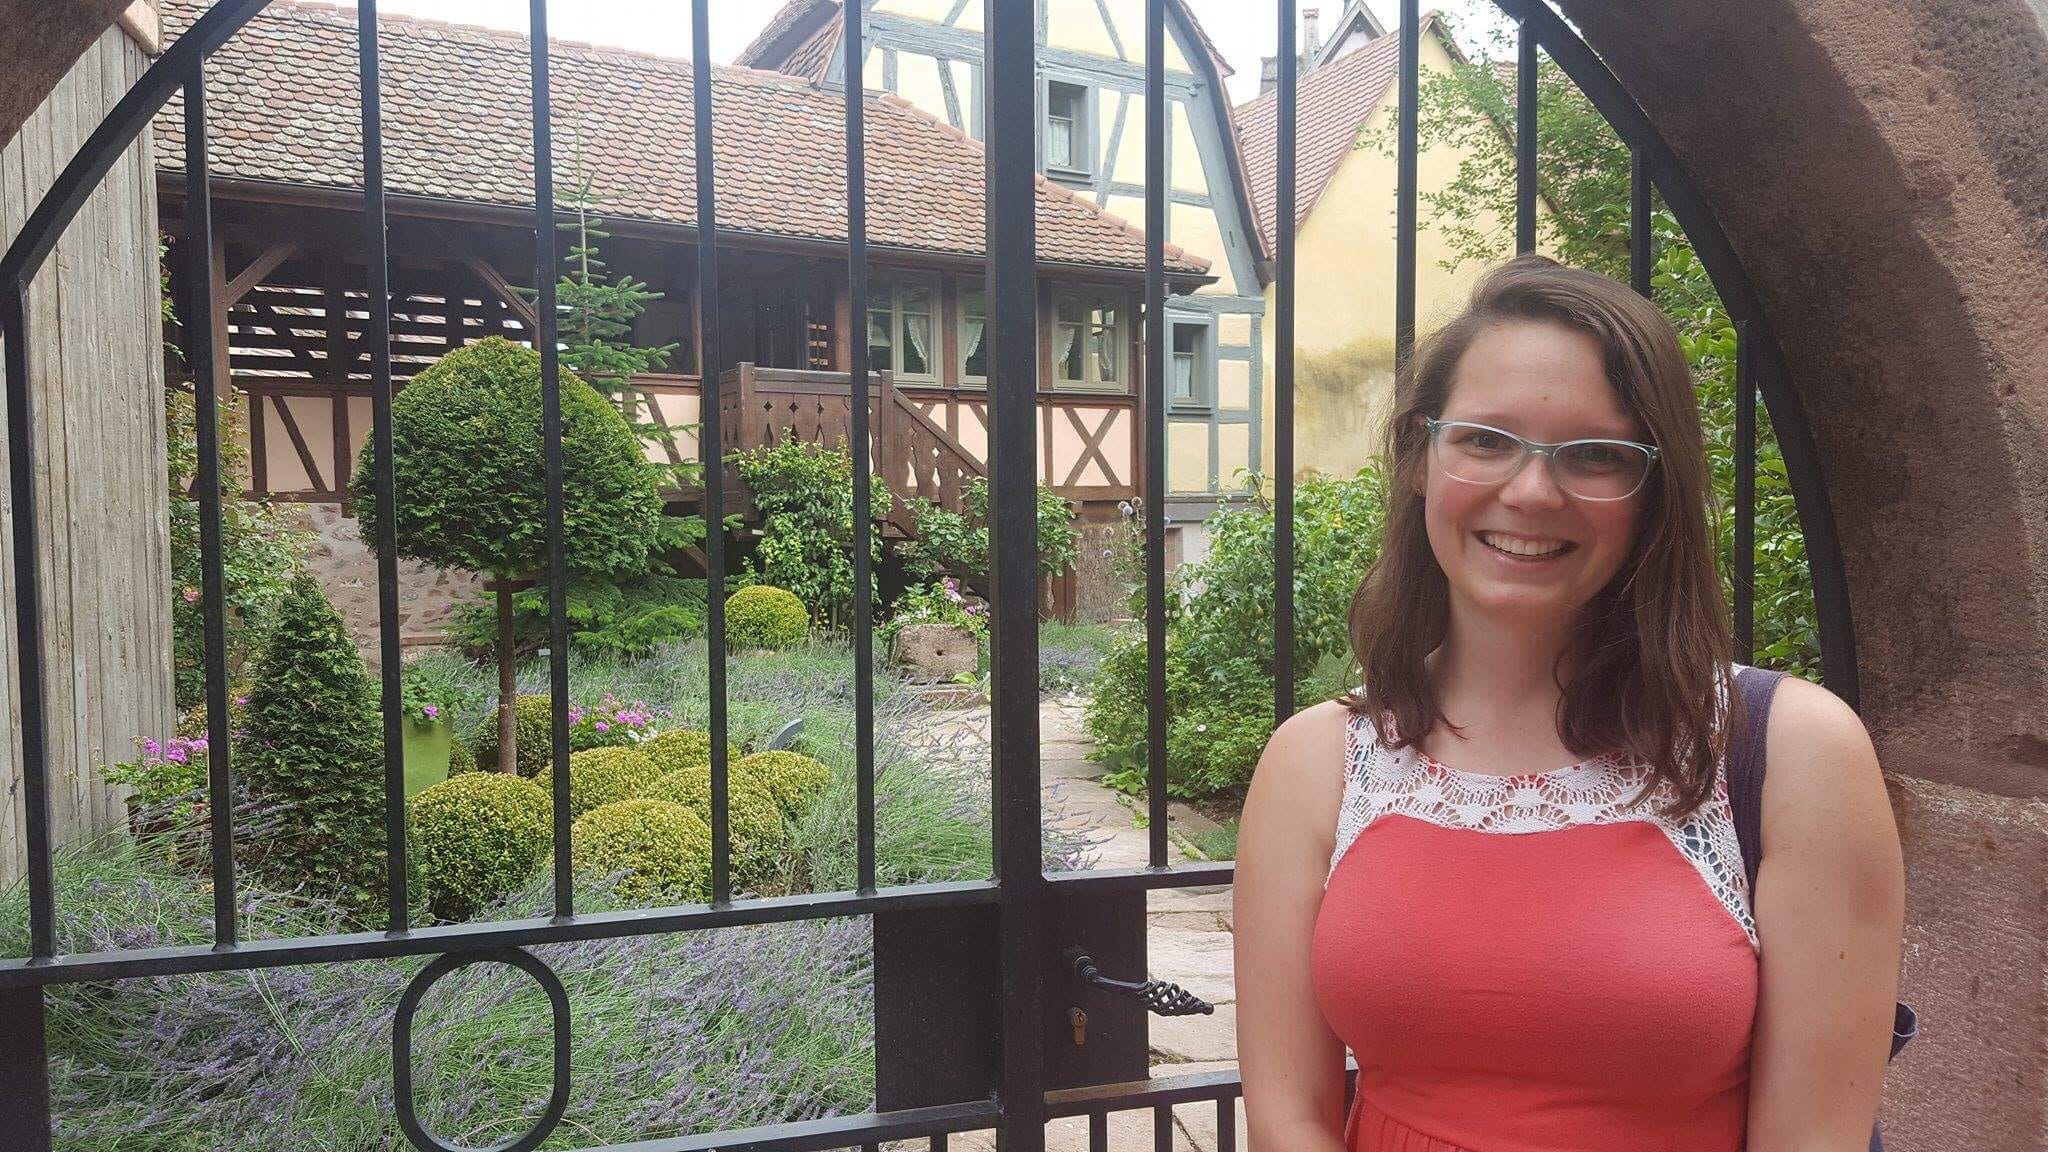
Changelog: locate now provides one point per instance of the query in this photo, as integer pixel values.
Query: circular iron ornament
(401, 1046)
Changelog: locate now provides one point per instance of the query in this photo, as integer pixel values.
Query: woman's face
(1543, 382)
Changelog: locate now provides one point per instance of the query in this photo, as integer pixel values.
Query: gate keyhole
(1079, 1020)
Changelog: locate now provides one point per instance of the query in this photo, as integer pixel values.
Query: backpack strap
(1746, 745)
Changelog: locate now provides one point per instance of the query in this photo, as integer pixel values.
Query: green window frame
(1191, 364)
(1069, 130)
(973, 333)
(1088, 339)
(903, 312)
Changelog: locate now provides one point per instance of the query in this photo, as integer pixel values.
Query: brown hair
(1653, 644)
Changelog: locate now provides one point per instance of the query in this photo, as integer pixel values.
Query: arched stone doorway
(1879, 170)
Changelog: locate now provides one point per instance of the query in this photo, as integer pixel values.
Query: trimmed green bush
(601, 776)
(531, 744)
(758, 832)
(476, 837)
(460, 758)
(794, 779)
(763, 616)
(314, 748)
(656, 848)
(680, 748)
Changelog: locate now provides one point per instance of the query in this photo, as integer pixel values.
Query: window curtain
(1069, 365)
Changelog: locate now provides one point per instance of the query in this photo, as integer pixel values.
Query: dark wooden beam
(258, 268)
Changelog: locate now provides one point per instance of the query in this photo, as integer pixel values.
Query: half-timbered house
(283, 103)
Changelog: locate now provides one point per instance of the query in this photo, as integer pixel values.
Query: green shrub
(804, 495)
(794, 779)
(315, 747)
(601, 776)
(621, 618)
(765, 617)
(1219, 643)
(680, 748)
(949, 542)
(460, 758)
(657, 849)
(758, 833)
(533, 742)
(476, 837)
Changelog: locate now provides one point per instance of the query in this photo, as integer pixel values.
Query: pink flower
(176, 754)
(241, 701)
(603, 727)
(433, 711)
(191, 595)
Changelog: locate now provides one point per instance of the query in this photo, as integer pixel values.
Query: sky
(1245, 30)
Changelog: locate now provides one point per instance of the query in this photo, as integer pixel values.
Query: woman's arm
(1293, 1065)
(1830, 905)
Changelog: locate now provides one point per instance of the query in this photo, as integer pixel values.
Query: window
(1087, 340)
(1069, 139)
(1190, 380)
(973, 334)
(900, 325)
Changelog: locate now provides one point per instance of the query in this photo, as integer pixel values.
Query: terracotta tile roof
(283, 104)
(812, 59)
(789, 20)
(1331, 104)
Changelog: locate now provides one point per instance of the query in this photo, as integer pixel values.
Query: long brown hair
(1652, 646)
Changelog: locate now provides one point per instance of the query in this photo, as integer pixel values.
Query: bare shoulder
(1823, 790)
(1299, 781)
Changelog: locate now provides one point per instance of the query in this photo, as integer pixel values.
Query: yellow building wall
(1344, 298)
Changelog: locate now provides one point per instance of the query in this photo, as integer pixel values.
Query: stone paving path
(1188, 933)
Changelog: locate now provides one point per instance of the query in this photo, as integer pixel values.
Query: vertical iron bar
(1162, 1128)
(1404, 183)
(28, 619)
(1009, 50)
(201, 322)
(551, 426)
(376, 255)
(1744, 560)
(1283, 377)
(863, 463)
(25, 1070)
(1155, 428)
(938, 1140)
(1226, 1124)
(709, 444)
(1642, 246)
(1525, 140)
(1098, 1132)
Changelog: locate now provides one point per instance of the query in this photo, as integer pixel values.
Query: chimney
(1311, 34)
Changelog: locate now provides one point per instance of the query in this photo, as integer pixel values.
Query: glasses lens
(1476, 455)
(1601, 469)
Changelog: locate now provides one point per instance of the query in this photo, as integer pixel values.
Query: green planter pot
(426, 754)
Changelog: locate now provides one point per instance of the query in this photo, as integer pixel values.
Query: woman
(1504, 873)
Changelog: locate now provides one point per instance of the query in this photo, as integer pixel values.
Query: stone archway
(1881, 169)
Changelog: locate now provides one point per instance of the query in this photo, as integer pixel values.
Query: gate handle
(1159, 996)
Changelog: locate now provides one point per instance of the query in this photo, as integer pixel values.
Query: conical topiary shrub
(315, 749)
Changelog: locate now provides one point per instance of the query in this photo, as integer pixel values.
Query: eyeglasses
(1585, 469)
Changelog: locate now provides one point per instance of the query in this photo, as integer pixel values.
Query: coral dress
(1522, 964)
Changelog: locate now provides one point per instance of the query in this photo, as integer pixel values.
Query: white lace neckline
(1380, 781)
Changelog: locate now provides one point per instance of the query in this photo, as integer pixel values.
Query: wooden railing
(914, 455)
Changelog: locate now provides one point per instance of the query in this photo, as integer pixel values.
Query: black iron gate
(975, 981)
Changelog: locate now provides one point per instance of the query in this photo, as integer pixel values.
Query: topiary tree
(476, 837)
(763, 617)
(601, 776)
(758, 834)
(680, 748)
(533, 748)
(655, 849)
(794, 779)
(314, 747)
(467, 443)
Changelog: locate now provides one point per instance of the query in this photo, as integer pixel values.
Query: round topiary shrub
(655, 848)
(460, 758)
(758, 832)
(476, 837)
(601, 776)
(681, 748)
(794, 779)
(532, 746)
(765, 617)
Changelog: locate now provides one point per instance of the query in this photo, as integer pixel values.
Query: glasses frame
(1531, 448)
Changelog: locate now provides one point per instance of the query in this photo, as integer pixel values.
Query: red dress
(1524, 964)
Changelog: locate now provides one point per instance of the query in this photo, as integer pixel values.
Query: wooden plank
(258, 268)
(291, 429)
(490, 278)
